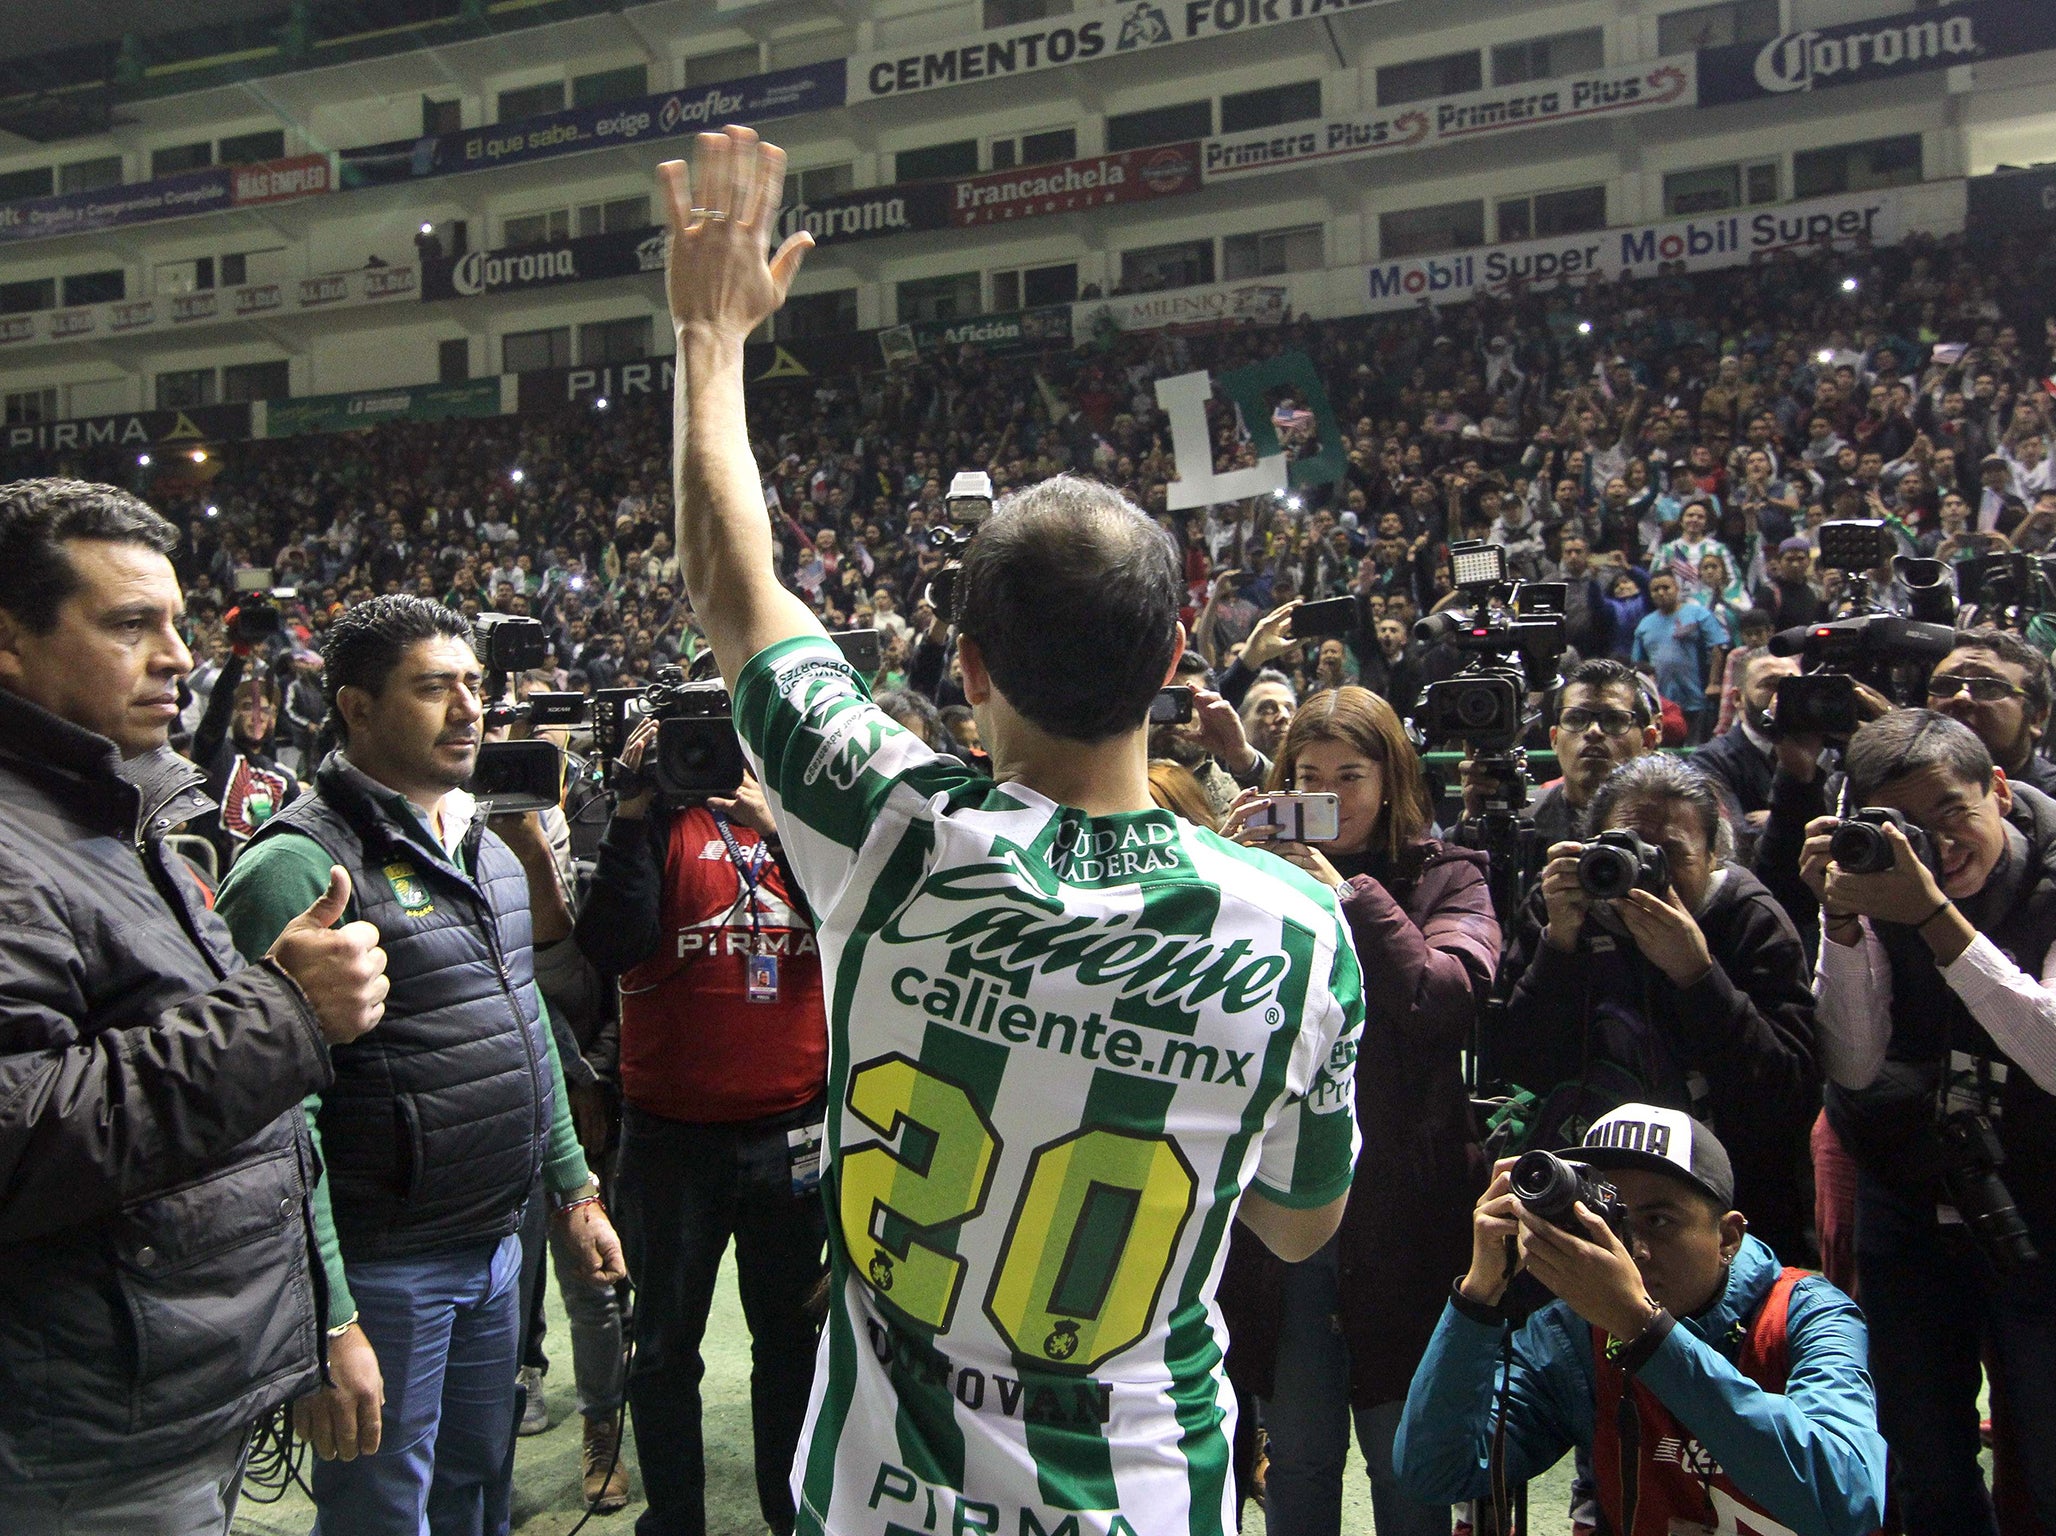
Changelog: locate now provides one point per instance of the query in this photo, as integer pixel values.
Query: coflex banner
(667, 115)
(168, 197)
(1721, 240)
(1889, 48)
(193, 311)
(1614, 92)
(367, 408)
(619, 253)
(1095, 33)
(1131, 176)
(139, 430)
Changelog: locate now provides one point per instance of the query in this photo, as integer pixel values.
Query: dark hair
(917, 712)
(37, 517)
(1907, 741)
(1072, 596)
(1604, 673)
(365, 643)
(1657, 779)
(2012, 649)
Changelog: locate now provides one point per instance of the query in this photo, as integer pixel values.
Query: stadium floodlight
(199, 455)
(1848, 285)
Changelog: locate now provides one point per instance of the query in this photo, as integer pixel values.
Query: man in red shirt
(724, 1057)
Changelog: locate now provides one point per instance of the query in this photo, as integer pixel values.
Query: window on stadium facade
(1893, 162)
(1442, 227)
(174, 158)
(955, 297)
(816, 314)
(959, 157)
(1271, 106)
(1545, 58)
(96, 287)
(1715, 26)
(1048, 147)
(526, 351)
(1026, 287)
(257, 381)
(614, 341)
(605, 218)
(1445, 75)
(1568, 212)
(531, 101)
(605, 85)
(728, 64)
(1159, 125)
(184, 388)
(1270, 252)
(251, 148)
(1180, 265)
(1716, 188)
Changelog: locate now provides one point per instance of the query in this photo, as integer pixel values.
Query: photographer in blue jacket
(1713, 1389)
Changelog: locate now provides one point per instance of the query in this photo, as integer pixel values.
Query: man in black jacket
(1744, 757)
(155, 1289)
(1693, 996)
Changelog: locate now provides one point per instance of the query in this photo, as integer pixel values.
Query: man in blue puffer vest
(1714, 1390)
(435, 1139)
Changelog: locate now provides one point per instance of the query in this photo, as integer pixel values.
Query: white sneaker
(535, 1417)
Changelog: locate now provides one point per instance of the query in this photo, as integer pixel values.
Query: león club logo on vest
(408, 890)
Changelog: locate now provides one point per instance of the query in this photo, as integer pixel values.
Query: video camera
(256, 617)
(1886, 651)
(968, 505)
(1514, 632)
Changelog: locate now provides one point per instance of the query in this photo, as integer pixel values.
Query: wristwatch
(587, 1193)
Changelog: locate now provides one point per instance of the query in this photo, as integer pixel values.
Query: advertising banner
(1889, 48)
(763, 363)
(871, 214)
(1614, 92)
(1025, 330)
(168, 197)
(140, 430)
(1252, 303)
(1099, 32)
(179, 311)
(367, 408)
(2011, 201)
(667, 115)
(1131, 176)
(1701, 244)
(620, 253)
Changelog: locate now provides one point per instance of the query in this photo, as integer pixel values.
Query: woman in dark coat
(1338, 1336)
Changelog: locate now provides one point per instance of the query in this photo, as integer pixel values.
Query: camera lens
(1477, 708)
(1607, 873)
(1860, 848)
(1545, 1184)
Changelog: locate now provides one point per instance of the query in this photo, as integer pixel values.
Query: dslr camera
(1860, 847)
(1549, 1186)
(1618, 861)
(1971, 1159)
(255, 618)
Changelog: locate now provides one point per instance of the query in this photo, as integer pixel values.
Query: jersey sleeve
(832, 763)
(1309, 1153)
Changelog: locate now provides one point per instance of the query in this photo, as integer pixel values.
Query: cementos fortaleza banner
(667, 115)
(1132, 176)
(1098, 33)
(169, 197)
(212, 306)
(138, 430)
(368, 408)
(1889, 48)
(1721, 240)
(619, 253)
(1614, 92)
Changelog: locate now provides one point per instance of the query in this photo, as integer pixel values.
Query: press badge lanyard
(760, 969)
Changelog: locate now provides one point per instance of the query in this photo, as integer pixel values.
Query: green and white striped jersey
(1060, 1048)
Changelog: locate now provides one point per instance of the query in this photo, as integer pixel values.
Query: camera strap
(761, 966)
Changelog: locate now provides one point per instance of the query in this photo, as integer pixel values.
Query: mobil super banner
(1722, 240)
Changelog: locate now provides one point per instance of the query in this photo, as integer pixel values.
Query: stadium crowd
(1669, 448)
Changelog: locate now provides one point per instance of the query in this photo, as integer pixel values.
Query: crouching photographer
(1938, 1035)
(1713, 1389)
(1650, 966)
(724, 1052)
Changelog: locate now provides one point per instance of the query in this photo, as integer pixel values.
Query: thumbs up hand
(342, 970)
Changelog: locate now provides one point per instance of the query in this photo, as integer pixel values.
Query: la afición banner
(1615, 92)
(1888, 48)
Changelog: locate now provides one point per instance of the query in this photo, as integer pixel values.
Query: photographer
(1688, 989)
(1421, 918)
(235, 747)
(1938, 1033)
(724, 1051)
(1714, 1390)
(1603, 719)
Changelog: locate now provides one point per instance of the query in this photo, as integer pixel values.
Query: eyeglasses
(1985, 690)
(1614, 722)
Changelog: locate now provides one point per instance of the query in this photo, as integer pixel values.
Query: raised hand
(721, 218)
